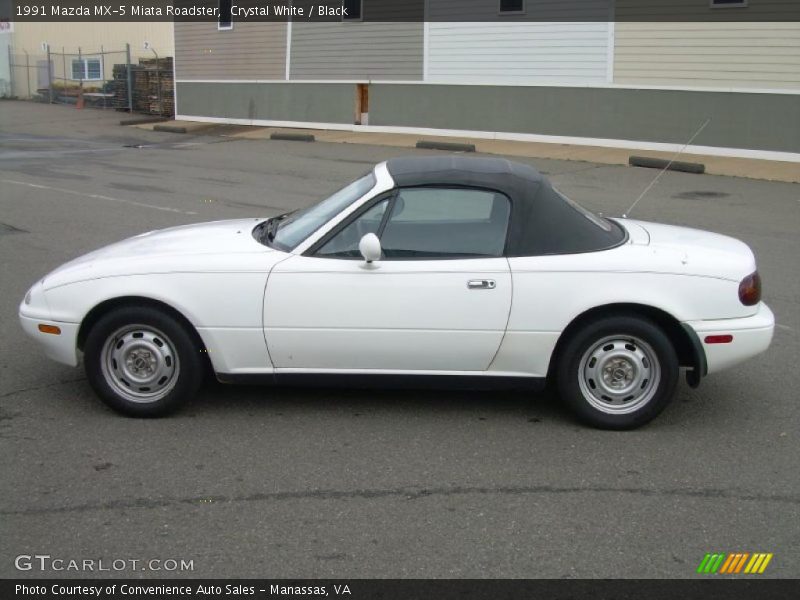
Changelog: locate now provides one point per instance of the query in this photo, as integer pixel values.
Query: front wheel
(142, 362)
(618, 372)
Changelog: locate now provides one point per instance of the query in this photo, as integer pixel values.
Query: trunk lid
(702, 252)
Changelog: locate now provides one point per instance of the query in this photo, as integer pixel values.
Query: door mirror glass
(370, 247)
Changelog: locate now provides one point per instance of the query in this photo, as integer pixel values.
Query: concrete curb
(170, 128)
(292, 137)
(143, 120)
(450, 146)
(660, 163)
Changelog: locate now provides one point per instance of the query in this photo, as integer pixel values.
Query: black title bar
(406, 589)
(394, 11)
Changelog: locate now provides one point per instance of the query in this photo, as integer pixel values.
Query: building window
(728, 3)
(352, 10)
(87, 69)
(512, 7)
(225, 19)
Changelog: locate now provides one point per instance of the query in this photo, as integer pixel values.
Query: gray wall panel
(357, 50)
(739, 120)
(325, 103)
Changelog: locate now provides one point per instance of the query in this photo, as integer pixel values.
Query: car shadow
(216, 397)
(230, 402)
(690, 408)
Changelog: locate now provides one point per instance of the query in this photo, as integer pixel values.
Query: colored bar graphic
(735, 563)
(730, 563)
(703, 563)
(717, 563)
(727, 563)
(740, 564)
(710, 563)
(754, 563)
(764, 564)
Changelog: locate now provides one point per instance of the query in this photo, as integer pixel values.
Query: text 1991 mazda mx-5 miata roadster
(451, 268)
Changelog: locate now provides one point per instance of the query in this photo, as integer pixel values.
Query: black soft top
(542, 220)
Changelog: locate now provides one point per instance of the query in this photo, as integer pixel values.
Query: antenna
(664, 170)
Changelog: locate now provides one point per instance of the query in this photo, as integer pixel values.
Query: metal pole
(49, 76)
(128, 75)
(79, 97)
(28, 71)
(64, 64)
(158, 84)
(12, 66)
(103, 74)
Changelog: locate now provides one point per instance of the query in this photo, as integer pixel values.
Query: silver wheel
(139, 363)
(619, 374)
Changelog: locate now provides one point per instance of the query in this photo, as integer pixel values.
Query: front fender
(224, 308)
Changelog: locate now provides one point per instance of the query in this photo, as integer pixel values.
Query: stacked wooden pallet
(152, 85)
(168, 91)
(119, 87)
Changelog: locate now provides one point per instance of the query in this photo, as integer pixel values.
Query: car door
(438, 300)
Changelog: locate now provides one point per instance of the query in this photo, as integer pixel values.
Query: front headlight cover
(35, 299)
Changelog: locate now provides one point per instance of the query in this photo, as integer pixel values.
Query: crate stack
(146, 79)
(140, 80)
(168, 91)
(119, 87)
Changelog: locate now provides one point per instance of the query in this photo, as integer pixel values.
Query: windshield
(298, 226)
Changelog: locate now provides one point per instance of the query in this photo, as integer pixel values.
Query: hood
(702, 252)
(214, 246)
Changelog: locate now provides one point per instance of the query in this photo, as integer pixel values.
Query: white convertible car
(444, 268)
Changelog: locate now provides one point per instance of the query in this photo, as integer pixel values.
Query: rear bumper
(751, 336)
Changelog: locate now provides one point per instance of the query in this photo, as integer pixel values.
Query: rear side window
(427, 223)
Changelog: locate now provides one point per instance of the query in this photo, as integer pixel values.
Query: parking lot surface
(279, 482)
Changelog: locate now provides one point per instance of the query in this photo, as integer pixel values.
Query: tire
(142, 362)
(618, 372)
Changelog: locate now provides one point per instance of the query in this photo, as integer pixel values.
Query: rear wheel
(618, 372)
(142, 362)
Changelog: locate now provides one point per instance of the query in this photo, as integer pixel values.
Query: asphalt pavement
(280, 482)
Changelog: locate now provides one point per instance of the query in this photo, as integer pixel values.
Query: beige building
(80, 51)
(732, 55)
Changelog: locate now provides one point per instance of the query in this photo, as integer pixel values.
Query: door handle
(481, 284)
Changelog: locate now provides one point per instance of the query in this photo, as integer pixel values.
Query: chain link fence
(102, 78)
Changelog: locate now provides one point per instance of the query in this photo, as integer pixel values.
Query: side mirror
(370, 247)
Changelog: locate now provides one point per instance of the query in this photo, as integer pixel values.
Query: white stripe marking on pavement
(97, 196)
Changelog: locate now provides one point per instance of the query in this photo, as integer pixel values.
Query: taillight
(750, 289)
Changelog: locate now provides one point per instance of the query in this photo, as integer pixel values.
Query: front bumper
(751, 336)
(62, 348)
